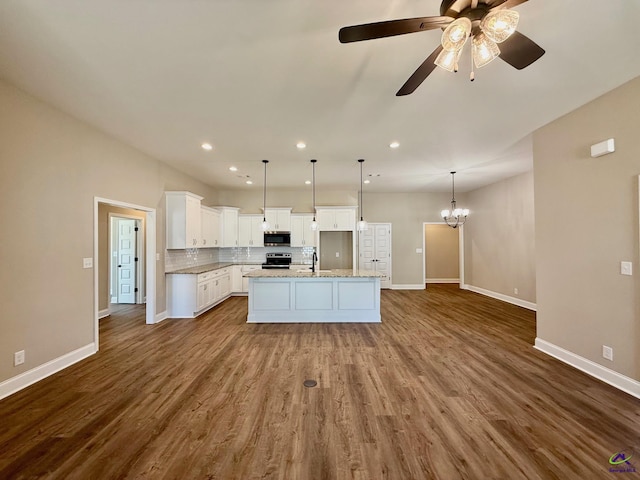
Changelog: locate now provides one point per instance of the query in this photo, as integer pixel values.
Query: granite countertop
(202, 268)
(294, 273)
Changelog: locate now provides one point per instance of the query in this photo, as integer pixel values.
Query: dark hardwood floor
(447, 387)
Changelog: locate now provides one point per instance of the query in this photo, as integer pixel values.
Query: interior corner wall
(499, 236)
(442, 253)
(586, 224)
(52, 167)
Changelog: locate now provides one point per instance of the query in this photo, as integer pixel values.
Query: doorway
(375, 251)
(126, 259)
(101, 256)
(442, 253)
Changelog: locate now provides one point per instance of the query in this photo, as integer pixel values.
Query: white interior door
(126, 254)
(375, 251)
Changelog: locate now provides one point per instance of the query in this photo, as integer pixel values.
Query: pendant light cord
(313, 187)
(264, 192)
(361, 161)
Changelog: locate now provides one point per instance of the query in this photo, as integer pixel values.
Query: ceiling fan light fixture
(448, 60)
(484, 50)
(500, 24)
(455, 35)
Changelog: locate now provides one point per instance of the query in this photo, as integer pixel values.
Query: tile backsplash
(193, 257)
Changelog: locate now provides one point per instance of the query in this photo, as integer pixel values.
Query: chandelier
(456, 216)
(494, 28)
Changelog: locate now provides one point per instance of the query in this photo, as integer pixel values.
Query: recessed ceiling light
(394, 144)
(233, 169)
(367, 181)
(207, 146)
(301, 145)
(249, 182)
(307, 182)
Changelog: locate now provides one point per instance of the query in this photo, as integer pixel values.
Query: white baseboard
(408, 287)
(161, 316)
(621, 382)
(442, 280)
(17, 383)
(103, 313)
(499, 296)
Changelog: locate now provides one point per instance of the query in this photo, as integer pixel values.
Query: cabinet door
(225, 284)
(205, 294)
(236, 278)
(297, 231)
(183, 220)
(279, 219)
(345, 220)
(229, 227)
(193, 222)
(326, 219)
(257, 234)
(210, 227)
(301, 233)
(245, 233)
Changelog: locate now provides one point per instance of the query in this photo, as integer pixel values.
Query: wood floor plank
(447, 387)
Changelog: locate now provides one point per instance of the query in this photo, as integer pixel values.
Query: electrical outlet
(18, 358)
(626, 268)
(515, 291)
(607, 352)
(87, 262)
(337, 254)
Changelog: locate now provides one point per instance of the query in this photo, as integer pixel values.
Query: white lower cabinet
(189, 295)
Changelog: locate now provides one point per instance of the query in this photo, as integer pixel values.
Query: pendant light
(456, 216)
(265, 224)
(314, 224)
(362, 225)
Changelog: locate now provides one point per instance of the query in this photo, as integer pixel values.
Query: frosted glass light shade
(444, 213)
(362, 225)
(484, 50)
(314, 224)
(456, 34)
(448, 59)
(265, 225)
(499, 25)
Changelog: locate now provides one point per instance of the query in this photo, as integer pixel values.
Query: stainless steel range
(277, 260)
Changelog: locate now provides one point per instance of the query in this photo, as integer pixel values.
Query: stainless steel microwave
(277, 239)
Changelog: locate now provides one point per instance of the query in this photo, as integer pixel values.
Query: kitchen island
(323, 296)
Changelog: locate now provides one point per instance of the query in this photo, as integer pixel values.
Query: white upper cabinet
(228, 226)
(279, 219)
(301, 233)
(210, 227)
(336, 218)
(184, 222)
(250, 232)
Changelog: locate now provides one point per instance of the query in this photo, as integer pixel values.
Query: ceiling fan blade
(520, 51)
(508, 4)
(390, 28)
(420, 74)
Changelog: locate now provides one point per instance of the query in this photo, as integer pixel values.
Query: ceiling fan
(487, 22)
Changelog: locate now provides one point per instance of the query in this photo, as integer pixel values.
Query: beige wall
(442, 252)
(586, 223)
(336, 242)
(499, 239)
(51, 168)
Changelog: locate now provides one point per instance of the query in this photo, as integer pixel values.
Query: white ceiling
(254, 77)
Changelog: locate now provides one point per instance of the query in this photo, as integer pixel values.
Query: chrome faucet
(314, 259)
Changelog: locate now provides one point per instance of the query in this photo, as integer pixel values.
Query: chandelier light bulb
(500, 25)
(484, 50)
(448, 60)
(456, 34)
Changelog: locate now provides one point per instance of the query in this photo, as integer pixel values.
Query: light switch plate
(626, 268)
(87, 262)
(418, 250)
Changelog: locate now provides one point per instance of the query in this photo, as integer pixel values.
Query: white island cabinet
(192, 291)
(291, 296)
